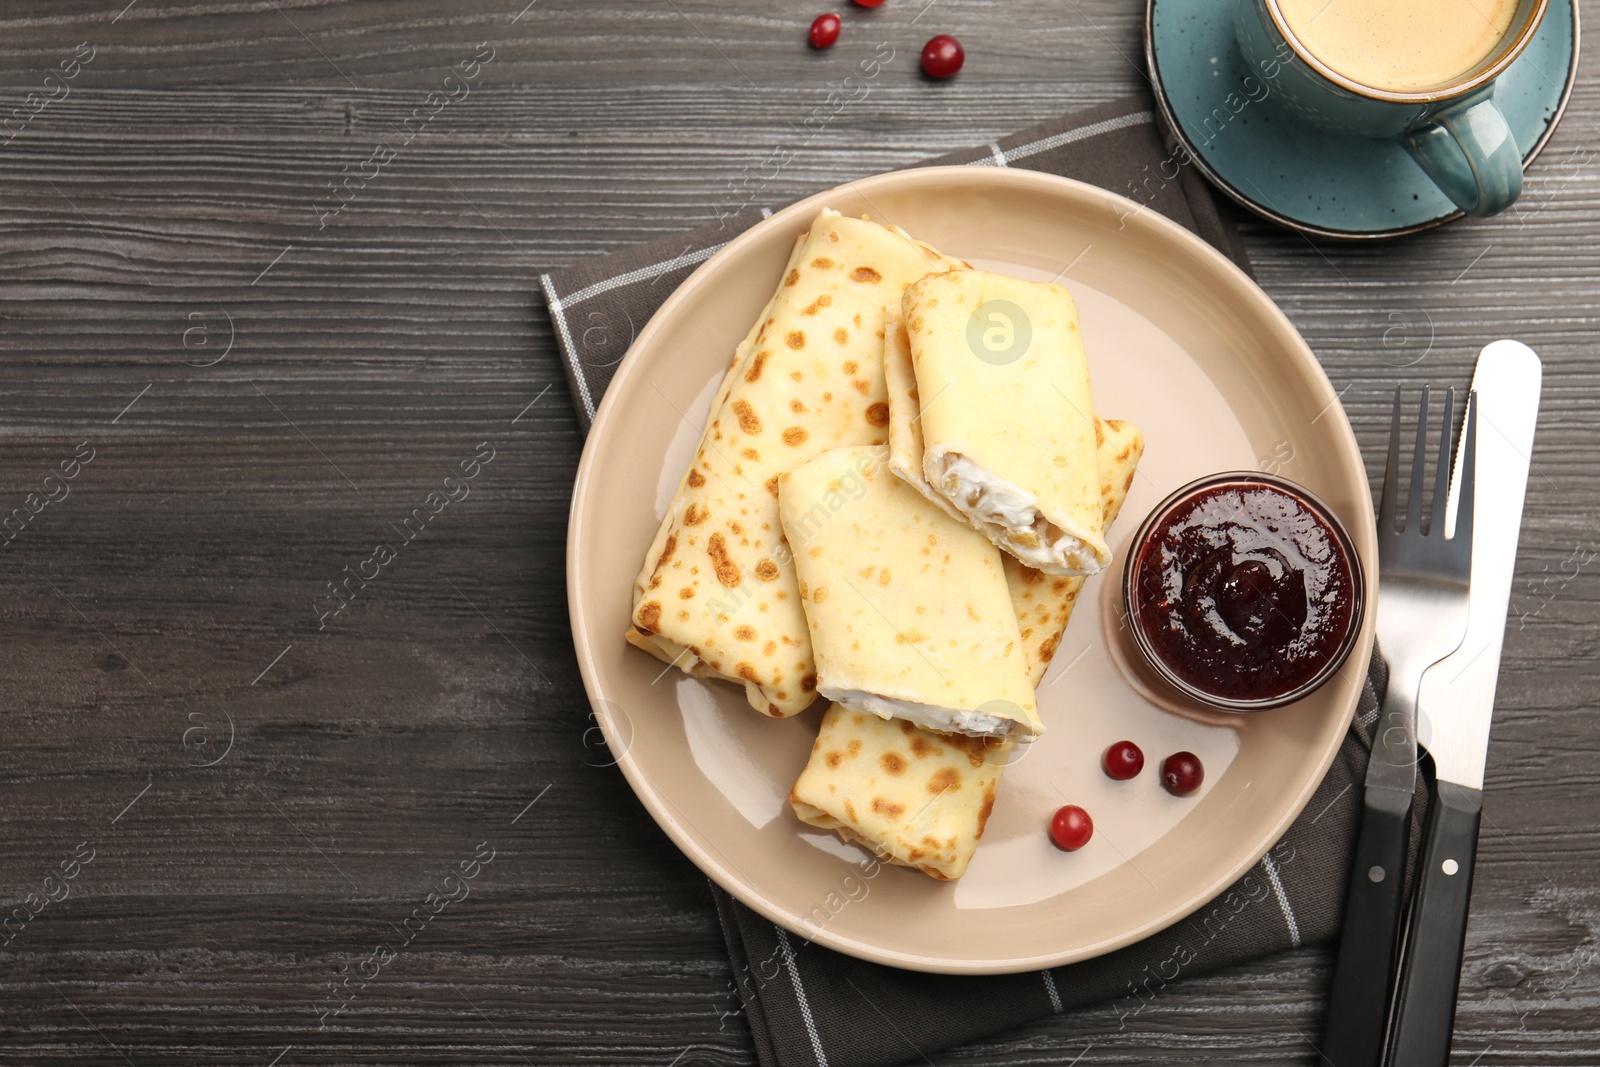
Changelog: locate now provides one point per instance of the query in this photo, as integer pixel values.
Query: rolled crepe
(717, 595)
(655, 644)
(1007, 416)
(1043, 602)
(908, 609)
(922, 799)
(914, 797)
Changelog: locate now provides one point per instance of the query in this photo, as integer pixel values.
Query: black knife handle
(1358, 1010)
(1430, 974)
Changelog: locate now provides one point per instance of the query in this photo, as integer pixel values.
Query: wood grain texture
(170, 203)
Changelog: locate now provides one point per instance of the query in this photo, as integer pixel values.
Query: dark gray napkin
(810, 1005)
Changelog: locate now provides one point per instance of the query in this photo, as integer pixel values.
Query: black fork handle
(1358, 1009)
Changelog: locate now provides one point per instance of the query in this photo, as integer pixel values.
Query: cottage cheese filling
(1010, 517)
(931, 716)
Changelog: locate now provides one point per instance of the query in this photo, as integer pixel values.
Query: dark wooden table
(224, 795)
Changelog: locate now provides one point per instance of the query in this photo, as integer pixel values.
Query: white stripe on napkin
(559, 314)
(1283, 900)
(1094, 129)
(1370, 719)
(1050, 987)
(655, 270)
(800, 995)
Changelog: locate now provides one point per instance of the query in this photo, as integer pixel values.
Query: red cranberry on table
(1182, 774)
(942, 56)
(1071, 828)
(869, 3)
(1122, 761)
(825, 30)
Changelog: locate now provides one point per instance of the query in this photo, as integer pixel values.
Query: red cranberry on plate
(1122, 761)
(1182, 774)
(1071, 828)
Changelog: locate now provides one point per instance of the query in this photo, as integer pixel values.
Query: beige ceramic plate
(1181, 343)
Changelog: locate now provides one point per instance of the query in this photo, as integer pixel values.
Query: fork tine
(1419, 462)
(1391, 472)
(1467, 475)
(1441, 477)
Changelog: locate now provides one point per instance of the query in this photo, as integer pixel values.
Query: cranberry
(1122, 761)
(869, 3)
(942, 56)
(1182, 774)
(1071, 828)
(825, 30)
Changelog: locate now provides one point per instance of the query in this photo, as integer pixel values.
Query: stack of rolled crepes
(891, 513)
(717, 596)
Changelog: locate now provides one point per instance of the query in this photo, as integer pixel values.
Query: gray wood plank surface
(165, 614)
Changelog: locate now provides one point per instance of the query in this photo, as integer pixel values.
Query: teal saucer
(1327, 184)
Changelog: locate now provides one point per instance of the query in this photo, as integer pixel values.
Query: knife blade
(1461, 686)
(1456, 708)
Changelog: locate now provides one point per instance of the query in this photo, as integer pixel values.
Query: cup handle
(1469, 152)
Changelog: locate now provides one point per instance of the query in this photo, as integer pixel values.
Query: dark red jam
(1244, 591)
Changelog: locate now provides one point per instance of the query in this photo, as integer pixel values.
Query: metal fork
(1422, 617)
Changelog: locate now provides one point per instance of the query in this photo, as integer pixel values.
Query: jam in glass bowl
(1243, 591)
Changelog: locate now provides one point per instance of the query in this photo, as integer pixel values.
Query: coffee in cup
(1402, 46)
(1419, 72)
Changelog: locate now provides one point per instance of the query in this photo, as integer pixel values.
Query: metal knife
(1455, 709)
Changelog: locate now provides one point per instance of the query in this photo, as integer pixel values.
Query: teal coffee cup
(1420, 72)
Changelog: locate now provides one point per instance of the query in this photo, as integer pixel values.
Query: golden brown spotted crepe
(717, 595)
(656, 645)
(922, 799)
(908, 608)
(914, 797)
(1007, 416)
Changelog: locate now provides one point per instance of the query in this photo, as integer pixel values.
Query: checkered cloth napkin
(806, 1004)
